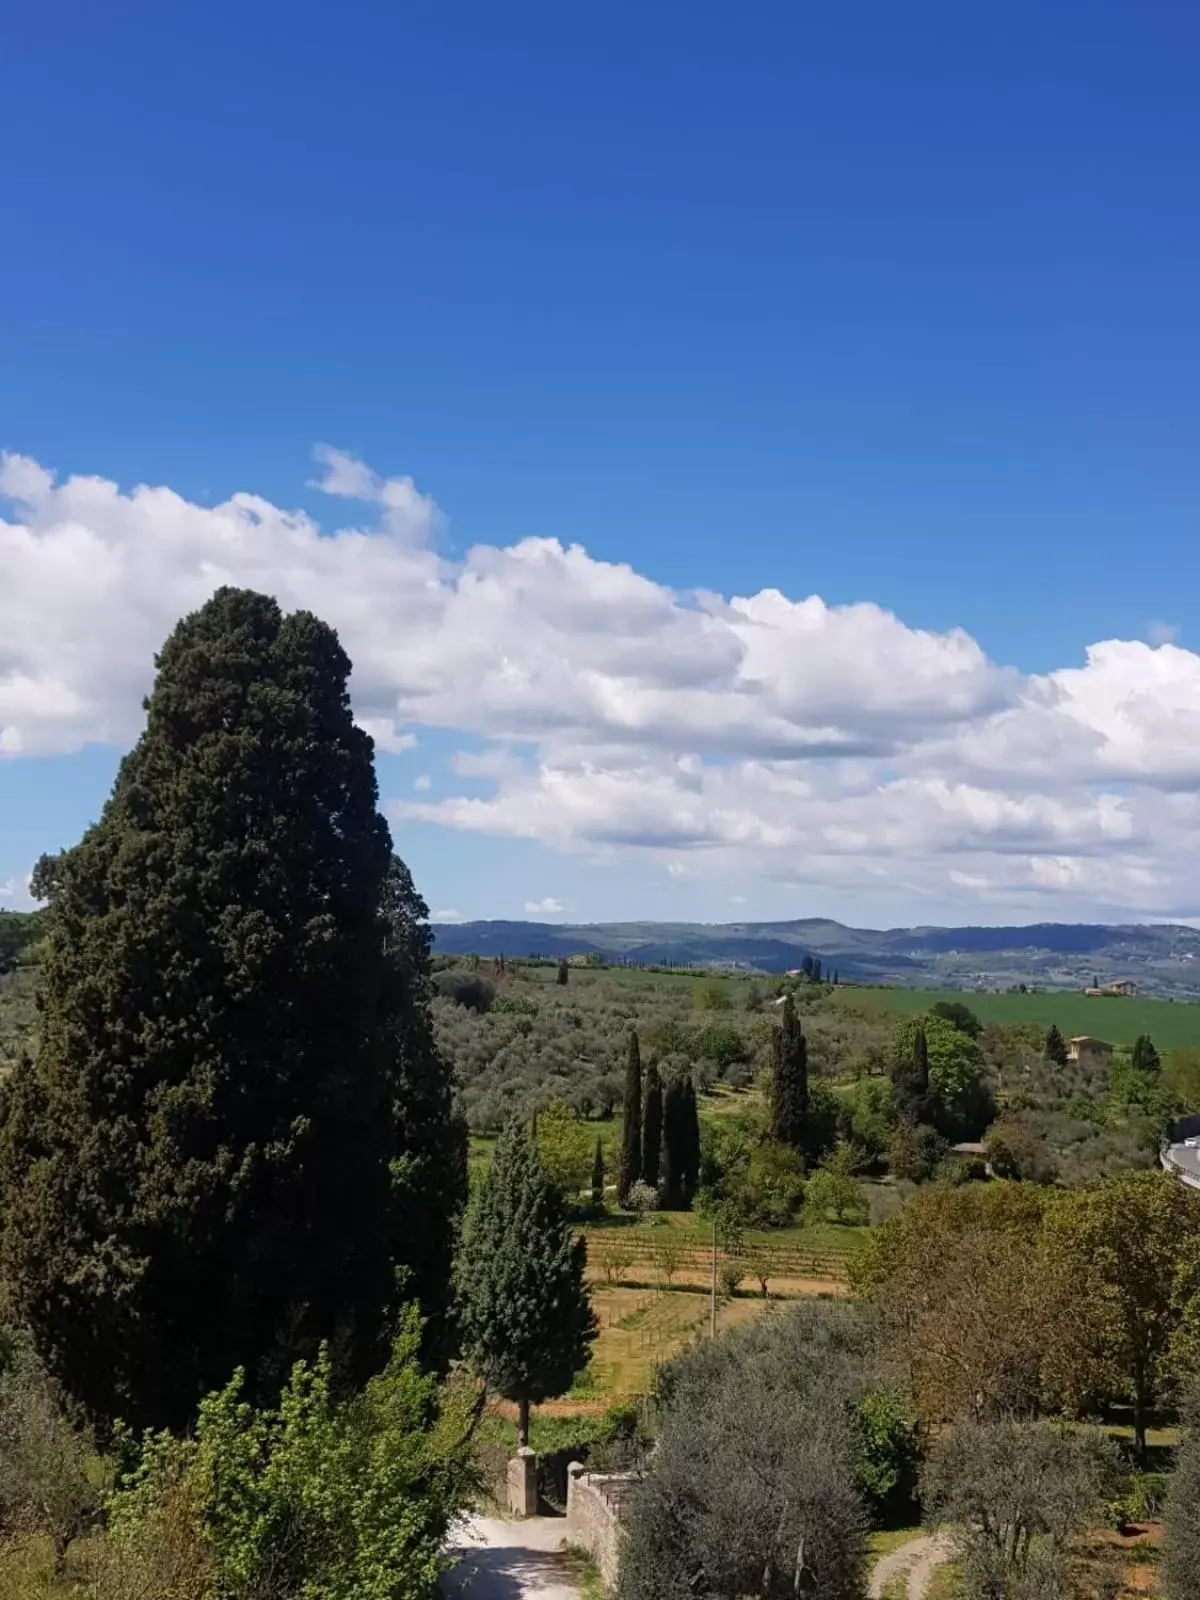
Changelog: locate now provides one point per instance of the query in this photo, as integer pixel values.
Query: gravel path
(918, 1558)
(510, 1560)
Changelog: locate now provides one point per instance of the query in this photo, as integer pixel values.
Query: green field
(1172, 1024)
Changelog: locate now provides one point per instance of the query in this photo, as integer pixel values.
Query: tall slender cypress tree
(526, 1316)
(789, 1080)
(631, 1127)
(670, 1167)
(689, 1139)
(236, 1131)
(652, 1120)
(679, 1167)
(910, 1084)
(598, 1176)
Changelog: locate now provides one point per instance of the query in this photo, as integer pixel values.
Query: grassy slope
(1172, 1024)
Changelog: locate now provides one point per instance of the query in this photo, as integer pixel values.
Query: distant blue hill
(1161, 958)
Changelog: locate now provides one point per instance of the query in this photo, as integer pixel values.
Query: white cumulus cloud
(546, 907)
(805, 742)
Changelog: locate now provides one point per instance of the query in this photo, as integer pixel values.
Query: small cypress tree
(631, 1126)
(598, 1176)
(564, 971)
(652, 1122)
(910, 1084)
(1145, 1056)
(1055, 1049)
(789, 1080)
(526, 1316)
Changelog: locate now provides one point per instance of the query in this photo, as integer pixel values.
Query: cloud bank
(826, 746)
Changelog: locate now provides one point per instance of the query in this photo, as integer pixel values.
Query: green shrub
(316, 1499)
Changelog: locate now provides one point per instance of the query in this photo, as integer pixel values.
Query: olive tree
(1017, 1492)
(753, 1487)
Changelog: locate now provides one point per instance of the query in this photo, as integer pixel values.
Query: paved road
(510, 1560)
(1186, 1163)
(919, 1558)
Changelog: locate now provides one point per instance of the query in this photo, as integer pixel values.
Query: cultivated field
(1173, 1024)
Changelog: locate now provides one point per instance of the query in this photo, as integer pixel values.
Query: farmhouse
(1123, 986)
(1088, 1052)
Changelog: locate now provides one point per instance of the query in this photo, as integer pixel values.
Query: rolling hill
(1164, 959)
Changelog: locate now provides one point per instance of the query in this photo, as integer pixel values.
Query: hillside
(1164, 959)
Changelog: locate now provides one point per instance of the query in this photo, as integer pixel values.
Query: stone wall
(594, 1505)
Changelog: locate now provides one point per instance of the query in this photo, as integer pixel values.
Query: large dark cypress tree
(526, 1317)
(789, 1080)
(429, 1164)
(630, 1169)
(652, 1121)
(224, 1151)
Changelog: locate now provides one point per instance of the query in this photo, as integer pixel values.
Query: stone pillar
(575, 1471)
(522, 1484)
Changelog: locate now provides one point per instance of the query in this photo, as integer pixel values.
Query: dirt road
(918, 1559)
(510, 1560)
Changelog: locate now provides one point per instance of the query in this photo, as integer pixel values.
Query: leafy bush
(466, 989)
(514, 1006)
(888, 1450)
(316, 1499)
(643, 1197)
(51, 1479)
(1181, 1521)
(566, 1148)
(1015, 1149)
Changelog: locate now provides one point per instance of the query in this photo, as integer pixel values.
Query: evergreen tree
(789, 1080)
(631, 1127)
(690, 1141)
(910, 1083)
(236, 1130)
(429, 1161)
(1145, 1056)
(526, 1317)
(563, 976)
(652, 1122)
(1055, 1048)
(670, 1167)
(679, 1166)
(598, 1176)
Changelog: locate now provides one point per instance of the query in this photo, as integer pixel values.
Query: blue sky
(882, 304)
